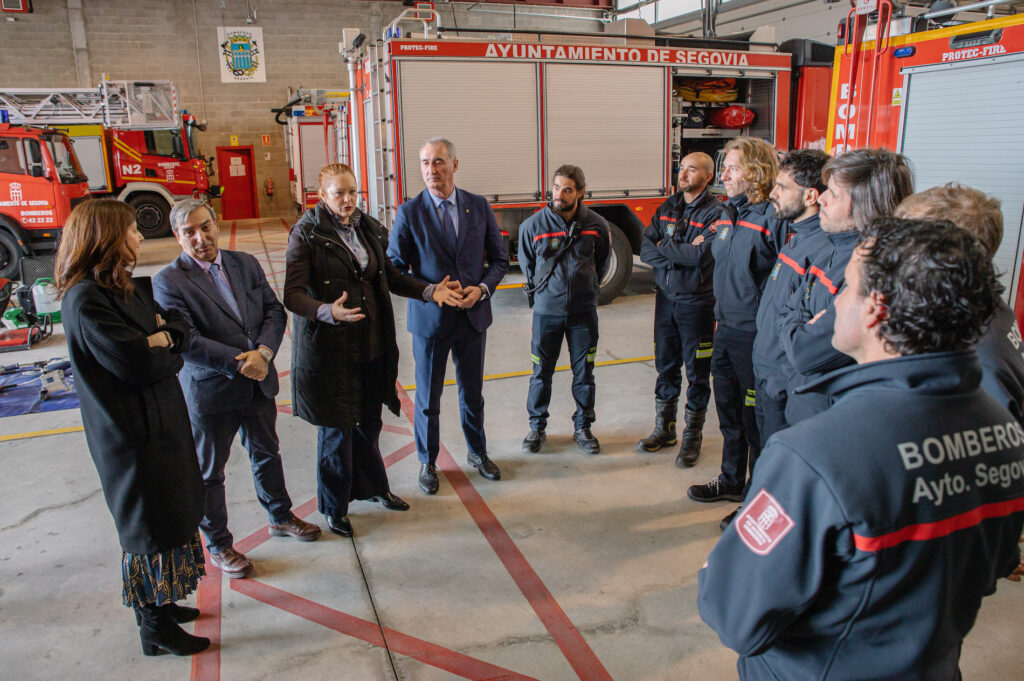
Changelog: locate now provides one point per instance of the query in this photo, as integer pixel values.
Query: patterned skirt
(162, 578)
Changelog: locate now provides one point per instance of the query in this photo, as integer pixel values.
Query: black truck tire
(152, 214)
(619, 268)
(10, 255)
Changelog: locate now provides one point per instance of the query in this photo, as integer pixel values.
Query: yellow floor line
(40, 433)
(410, 387)
(529, 372)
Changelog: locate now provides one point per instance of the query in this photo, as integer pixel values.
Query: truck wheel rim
(613, 266)
(148, 217)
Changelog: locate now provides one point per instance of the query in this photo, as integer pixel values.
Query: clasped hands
(446, 292)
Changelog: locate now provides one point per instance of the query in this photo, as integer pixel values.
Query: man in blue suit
(441, 232)
(229, 379)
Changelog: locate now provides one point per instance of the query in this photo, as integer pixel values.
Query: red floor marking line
(206, 665)
(231, 242)
(260, 536)
(430, 653)
(284, 410)
(401, 430)
(285, 223)
(282, 374)
(579, 655)
(395, 457)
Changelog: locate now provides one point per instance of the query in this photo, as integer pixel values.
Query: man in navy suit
(229, 379)
(441, 232)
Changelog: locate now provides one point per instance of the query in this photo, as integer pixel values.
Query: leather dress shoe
(340, 526)
(428, 478)
(391, 502)
(586, 441)
(232, 563)
(483, 463)
(297, 528)
(534, 439)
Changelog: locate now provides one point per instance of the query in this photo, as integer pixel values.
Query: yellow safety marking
(566, 367)
(156, 179)
(504, 286)
(411, 386)
(41, 433)
(126, 149)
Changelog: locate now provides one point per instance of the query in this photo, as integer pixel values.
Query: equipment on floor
(29, 328)
(46, 385)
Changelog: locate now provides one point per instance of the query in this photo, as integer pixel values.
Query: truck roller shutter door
(962, 123)
(314, 154)
(611, 122)
(488, 110)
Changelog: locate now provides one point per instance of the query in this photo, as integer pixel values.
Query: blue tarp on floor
(24, 399)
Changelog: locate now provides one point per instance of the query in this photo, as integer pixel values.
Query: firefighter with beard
(563, 251)
(677, 244)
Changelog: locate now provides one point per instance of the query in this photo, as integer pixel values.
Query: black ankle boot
(179, 613)
(158, 631)
(664, 434)
(689, 448)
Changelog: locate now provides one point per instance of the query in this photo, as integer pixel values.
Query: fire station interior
(571, 566)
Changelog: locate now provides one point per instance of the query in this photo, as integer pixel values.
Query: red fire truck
(131, 139)
(625, 110)
(317, 129)
(40, 182)
(950, 97)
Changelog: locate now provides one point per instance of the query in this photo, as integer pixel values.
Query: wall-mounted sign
(242, 59)
(234, 140)
(265, 139)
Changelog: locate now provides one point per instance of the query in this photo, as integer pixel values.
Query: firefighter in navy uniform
(874, 529)
(563, 251)
(795, 198)
(677, 244)
(862, 185)
(1001, 349)
(746, 245)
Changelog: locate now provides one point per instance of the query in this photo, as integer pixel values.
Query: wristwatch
(266, 353)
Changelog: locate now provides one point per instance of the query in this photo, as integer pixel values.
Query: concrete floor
(570, 567)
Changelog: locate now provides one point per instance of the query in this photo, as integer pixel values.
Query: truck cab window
(12, 158)
(164, 143)
(67, 163)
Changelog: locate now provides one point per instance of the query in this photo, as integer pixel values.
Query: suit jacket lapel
(236, 282)
(463, 207)
(203, 281)
(430, 213)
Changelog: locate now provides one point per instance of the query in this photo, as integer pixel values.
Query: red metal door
(238, 183)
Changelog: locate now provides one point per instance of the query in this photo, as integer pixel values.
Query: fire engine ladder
(383, 178)
(856, 23)
(138, 105)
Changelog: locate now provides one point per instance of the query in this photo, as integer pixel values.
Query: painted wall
(177, 40)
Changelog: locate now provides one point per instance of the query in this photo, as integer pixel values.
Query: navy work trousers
(683, 335)
(732, 367)
(580, 332)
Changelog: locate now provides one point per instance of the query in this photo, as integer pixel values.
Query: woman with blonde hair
(124, 351)
(338, 284)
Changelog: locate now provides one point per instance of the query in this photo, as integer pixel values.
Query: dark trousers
(348, 461)
(580, 333)
(732, 367)
(214, 433)
(771, 413)
(466, 346)
(683, 335)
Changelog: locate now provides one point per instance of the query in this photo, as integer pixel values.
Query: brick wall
(156, 40)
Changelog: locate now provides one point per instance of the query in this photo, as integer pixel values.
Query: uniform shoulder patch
(763, 523)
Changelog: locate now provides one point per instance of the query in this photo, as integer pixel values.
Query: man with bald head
(677, 244)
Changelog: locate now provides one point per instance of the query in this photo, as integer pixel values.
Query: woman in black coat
(123, 349)
(344, 355)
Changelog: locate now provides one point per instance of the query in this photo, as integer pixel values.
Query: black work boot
(586, 441)
(664, 434)
(159, 632)
(689, 448)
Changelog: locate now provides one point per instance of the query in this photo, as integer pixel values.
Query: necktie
(449, 225)
(224, 290)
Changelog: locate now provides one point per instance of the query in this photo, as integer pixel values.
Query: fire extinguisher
(268, 186)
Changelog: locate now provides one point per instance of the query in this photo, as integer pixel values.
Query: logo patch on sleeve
(763, 523)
